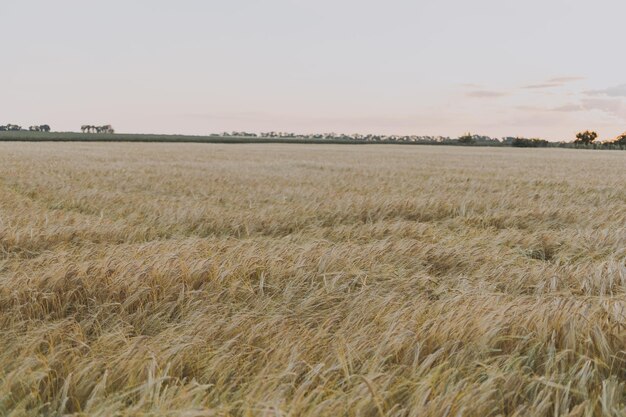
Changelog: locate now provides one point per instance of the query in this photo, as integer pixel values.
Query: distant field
(284, 280)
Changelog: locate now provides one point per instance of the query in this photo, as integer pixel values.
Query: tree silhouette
(586, 137)
(620, 140)
(466, 139)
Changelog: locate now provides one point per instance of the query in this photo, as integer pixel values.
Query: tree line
(586, 139)
(17, 128)
(46, 128)
(97, 129)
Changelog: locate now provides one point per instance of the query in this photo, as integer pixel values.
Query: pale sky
(534, 68)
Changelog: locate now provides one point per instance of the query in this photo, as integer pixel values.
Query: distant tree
(620, 140)
(40, 128)
(529, 143)
(466, 139)
(585, 138)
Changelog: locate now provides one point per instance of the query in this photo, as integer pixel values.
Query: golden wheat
(311, 280)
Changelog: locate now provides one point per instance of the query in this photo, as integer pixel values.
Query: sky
(532, 68)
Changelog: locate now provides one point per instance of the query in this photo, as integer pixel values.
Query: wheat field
(311, 280)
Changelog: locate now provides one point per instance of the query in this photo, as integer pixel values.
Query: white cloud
(553, 83)
(563, 80)
(616, 91)
(611, 106)
(568, 108)
(486, 94)
(541, 86)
